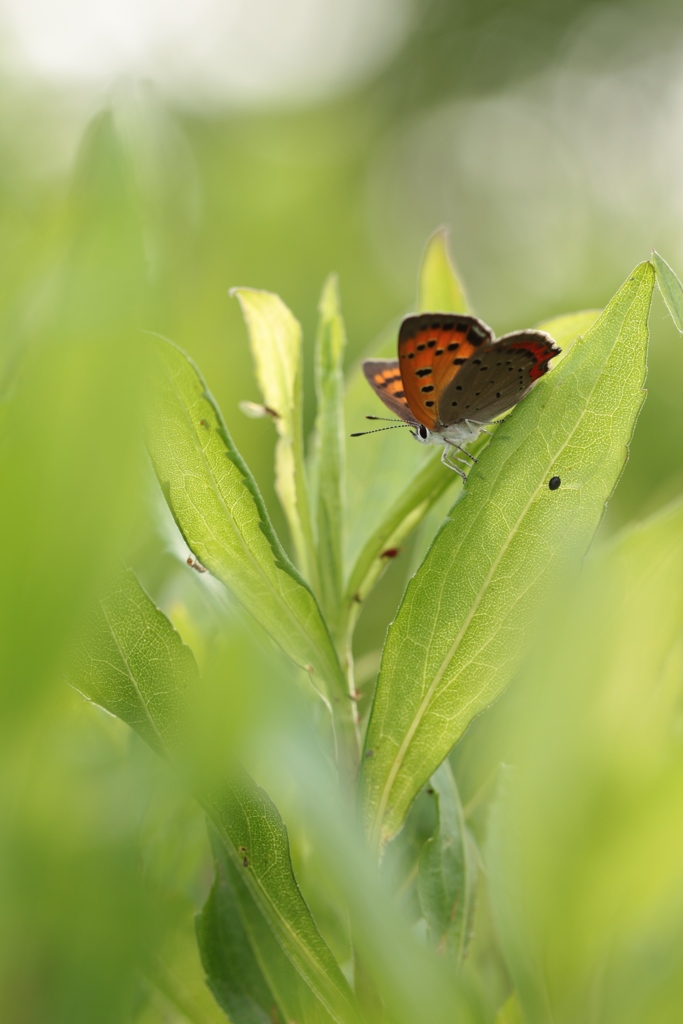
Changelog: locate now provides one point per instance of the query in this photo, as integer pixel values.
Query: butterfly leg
(463, 450)
(446, 458)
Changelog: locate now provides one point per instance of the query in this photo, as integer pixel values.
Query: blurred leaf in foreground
(70, 419)
(133, 663)
(585, 852)
(77, 920)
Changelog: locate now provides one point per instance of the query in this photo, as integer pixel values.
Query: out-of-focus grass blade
(70, 413)
(671, 289)
(133, 663)
(275, 339)
(330, 445)
(464, 619)
(584, 846)
(220, 513)
(447, 881)
(413, 981)
(510, 1012)
(440, 289)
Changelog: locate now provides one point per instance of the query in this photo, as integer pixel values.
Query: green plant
(489, 594)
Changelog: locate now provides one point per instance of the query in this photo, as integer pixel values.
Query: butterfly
(452, 377)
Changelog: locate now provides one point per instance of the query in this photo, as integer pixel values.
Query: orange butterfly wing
(384, 377)
(431, 349)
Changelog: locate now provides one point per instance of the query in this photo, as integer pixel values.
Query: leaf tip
(439, 284)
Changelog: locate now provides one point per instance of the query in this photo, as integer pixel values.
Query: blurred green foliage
(542, 134)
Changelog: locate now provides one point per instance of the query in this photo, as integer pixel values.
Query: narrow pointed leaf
(220, 513)
(464, 620)
(132, 662)
(330, 448)
(232, 971)
(447, 879)
(440, 288)
(246, 967)
(275, 339)
(255, 838)
(671, 289)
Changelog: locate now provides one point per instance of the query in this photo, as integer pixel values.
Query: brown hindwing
(497, 377)
(384, 377)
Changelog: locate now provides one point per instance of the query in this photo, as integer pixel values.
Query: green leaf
(221, 515)
(275, 340)
(462, 625)
(329, 452)
(447, 880)
(232, 971)
(255, 838)
(671, 289)
(440, 288)
(246, 967)
(567, 328)
(400, 864)
(132, 663)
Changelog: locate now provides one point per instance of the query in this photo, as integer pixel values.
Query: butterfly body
(452, 376)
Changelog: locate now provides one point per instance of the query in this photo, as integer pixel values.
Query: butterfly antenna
(379, 430)
(385, 419)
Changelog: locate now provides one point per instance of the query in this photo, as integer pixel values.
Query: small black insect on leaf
(554, 483)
